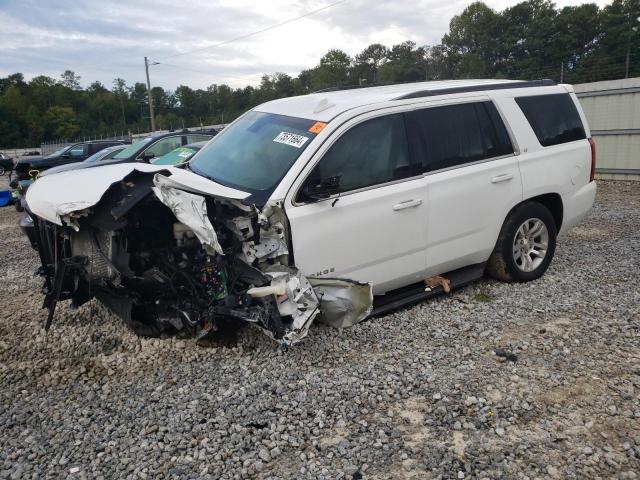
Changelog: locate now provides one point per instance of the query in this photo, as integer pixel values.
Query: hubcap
(530, 244)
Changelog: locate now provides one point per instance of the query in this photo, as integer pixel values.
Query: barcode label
(292, 139)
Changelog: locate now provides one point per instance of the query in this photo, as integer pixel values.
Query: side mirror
(319, 190)
(66, 155)
(146, 156)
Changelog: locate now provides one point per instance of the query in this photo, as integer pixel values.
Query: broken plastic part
(191, 210)
(343, 303)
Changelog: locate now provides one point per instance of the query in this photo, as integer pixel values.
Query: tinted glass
(554, 118)
(452, 135)
(198, 138)
(175, 157)
(134, 148)
(78, 150)
(255, 152)
(113, 152)
(164, 146)
(371, 153)
(104, 154)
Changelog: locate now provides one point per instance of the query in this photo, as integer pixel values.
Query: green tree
(60, 122)
(333, 70)
(368, 62)
(70, 80)
(473, 42)
(406, 63)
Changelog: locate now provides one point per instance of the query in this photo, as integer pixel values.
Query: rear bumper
(577, 205)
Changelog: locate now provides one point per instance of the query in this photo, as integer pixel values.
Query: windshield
(176, 156)
(59, 152)
(104, 154)
(254, 153)
(134, 148)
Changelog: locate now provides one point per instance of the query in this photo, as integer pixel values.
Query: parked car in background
(6, 163)
(26, 170)
(29, 167)
(314, 204)
(179, 155)
(104, 154)
(153, 146)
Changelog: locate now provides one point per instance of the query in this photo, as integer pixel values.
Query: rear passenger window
(453, 135)
(371, 153)
(554, 118)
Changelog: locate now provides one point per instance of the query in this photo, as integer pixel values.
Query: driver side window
(164, 146)
(371, 153)
(78, 150)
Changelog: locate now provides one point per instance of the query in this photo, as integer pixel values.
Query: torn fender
(190, 209)
(343, 302)
(339, 303)
(55, 196)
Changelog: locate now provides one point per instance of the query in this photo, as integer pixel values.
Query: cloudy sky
(101, 40)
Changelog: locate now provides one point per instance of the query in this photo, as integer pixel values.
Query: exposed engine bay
(167, 258)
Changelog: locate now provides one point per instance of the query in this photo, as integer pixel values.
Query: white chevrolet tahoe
(318, 203)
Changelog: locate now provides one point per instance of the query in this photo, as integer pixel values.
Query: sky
(105, 39)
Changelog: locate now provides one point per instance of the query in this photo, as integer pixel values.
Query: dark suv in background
(76, 152)
(148, 148)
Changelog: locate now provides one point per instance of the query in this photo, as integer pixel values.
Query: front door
(372, 227)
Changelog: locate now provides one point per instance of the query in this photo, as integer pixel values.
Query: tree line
(530, 40)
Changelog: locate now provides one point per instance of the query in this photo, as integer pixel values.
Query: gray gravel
(416, 394)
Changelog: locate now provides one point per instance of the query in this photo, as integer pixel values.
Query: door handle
(407, 204)
(502, 178)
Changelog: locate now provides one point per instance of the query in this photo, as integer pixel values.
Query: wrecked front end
(167, 257)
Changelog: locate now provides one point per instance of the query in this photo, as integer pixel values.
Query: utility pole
(153, 120)
(562, 72)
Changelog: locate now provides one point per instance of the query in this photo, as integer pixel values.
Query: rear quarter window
(454, 135)
(553, 118)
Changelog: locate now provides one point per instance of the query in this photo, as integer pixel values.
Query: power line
(247, 35)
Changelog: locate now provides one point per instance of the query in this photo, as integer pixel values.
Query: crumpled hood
(55, 196)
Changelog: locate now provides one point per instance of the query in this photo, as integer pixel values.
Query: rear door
(373, 230)
(472, 179)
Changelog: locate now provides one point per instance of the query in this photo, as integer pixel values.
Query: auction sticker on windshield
(292, 139)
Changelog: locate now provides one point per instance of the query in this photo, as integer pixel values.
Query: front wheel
(525, 246)
(2, 171)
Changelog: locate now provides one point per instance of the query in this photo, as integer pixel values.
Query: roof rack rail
(343, 87)
(368, 85)
(478, 88)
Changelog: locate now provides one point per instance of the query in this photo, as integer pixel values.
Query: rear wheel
(525, 246)
(2, 171)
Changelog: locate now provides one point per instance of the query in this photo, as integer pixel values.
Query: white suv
(382, 186)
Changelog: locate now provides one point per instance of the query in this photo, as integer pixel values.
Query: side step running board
(415, 293)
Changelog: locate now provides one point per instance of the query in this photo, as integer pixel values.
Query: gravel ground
(416, 394)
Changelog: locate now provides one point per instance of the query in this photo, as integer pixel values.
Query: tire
(525, 246)
(2, 171)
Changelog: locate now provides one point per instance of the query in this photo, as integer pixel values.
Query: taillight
(592, 143)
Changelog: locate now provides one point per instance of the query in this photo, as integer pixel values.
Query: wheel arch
(553, 203)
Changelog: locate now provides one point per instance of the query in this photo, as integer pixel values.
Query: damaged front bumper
(168, 250)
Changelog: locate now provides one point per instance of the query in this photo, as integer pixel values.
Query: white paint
(55, 196)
